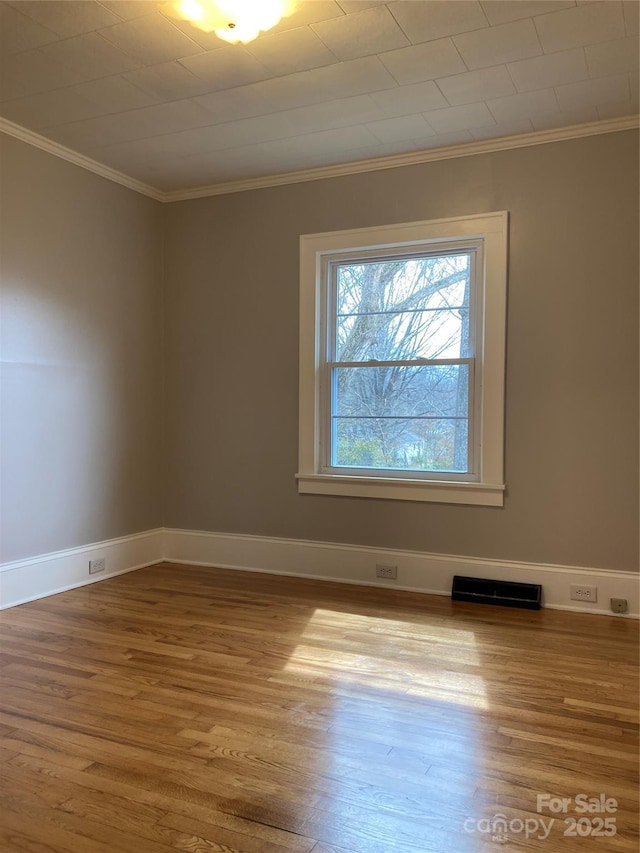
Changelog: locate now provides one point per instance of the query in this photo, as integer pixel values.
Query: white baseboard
(417, 572)
(48, 574)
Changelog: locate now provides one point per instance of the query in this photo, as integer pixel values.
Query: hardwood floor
(199, 710)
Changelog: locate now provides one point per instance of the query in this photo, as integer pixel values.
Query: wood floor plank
(213, 834)
(189, 709)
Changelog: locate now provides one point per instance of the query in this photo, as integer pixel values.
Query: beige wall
(82, 368)
(572, 372)
(81, 328)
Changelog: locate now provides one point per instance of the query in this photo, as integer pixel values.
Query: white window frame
(487, 235)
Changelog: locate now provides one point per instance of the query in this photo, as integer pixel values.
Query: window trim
(488, 488)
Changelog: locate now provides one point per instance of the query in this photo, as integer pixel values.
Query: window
(402, 333)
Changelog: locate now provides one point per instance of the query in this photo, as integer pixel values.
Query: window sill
(435, 491)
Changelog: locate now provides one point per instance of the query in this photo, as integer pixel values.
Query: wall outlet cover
(383, 571)
(583, 592)
(98, 565)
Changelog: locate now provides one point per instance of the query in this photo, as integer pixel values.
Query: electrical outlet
(580, 592)
(386, 571)
(619, 605)
(98, 565)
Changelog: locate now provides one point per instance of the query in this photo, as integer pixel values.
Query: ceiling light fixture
(233, 20)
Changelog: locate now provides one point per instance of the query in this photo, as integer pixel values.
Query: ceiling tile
(48, 108)
(358, 5)
(631, 9)
(168, 81)
(613, 57)
(549, 70)
(227, 67)
(400, 146)
(85, 135)
(152, 39)
(397, 129)
(477, 86)
(331, 114)
(296, 153)
(582, 25)
(248, 131)
(291, 152)
(294, 161)
(75, 104)
(67, 17)
(90, 56)
(18, 33)
(290, 51)
(415, 98)
(504, 43)
(437, 18)
(444, 140)
(617, 109)
(233, 104)
(167, 118)
(343, 80)
(114, 94)
(505, 11)
(460, 118)
(157, 149)
(32, 72)
(308, 13)
(206, 146)
(406, 146)
(593, 93)
(136, 124)
(326, 140)
(423, 61)
(374, 150)
(529, 105)
(510, 128)
(264, 159)
(216, 167)
(361, 34)
(206, 40)
(547, 121)
(199, 174)
(118, 157)
(201, 141)
(130, 9)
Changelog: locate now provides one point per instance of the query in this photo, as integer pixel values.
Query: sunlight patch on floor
(395, 662)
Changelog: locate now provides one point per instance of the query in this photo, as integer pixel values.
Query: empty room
(319, 426)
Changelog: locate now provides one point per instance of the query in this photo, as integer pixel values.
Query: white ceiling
(338, 81)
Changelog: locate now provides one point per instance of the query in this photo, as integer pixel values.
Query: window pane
(403, 308)
(442, 333)
(435, 391)
(410, 444)
(412, 418)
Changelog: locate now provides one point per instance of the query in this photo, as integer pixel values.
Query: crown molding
(38, 141)
(467, 149)
(394, 161)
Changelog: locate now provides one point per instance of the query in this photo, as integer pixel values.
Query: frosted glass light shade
(234, 20)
